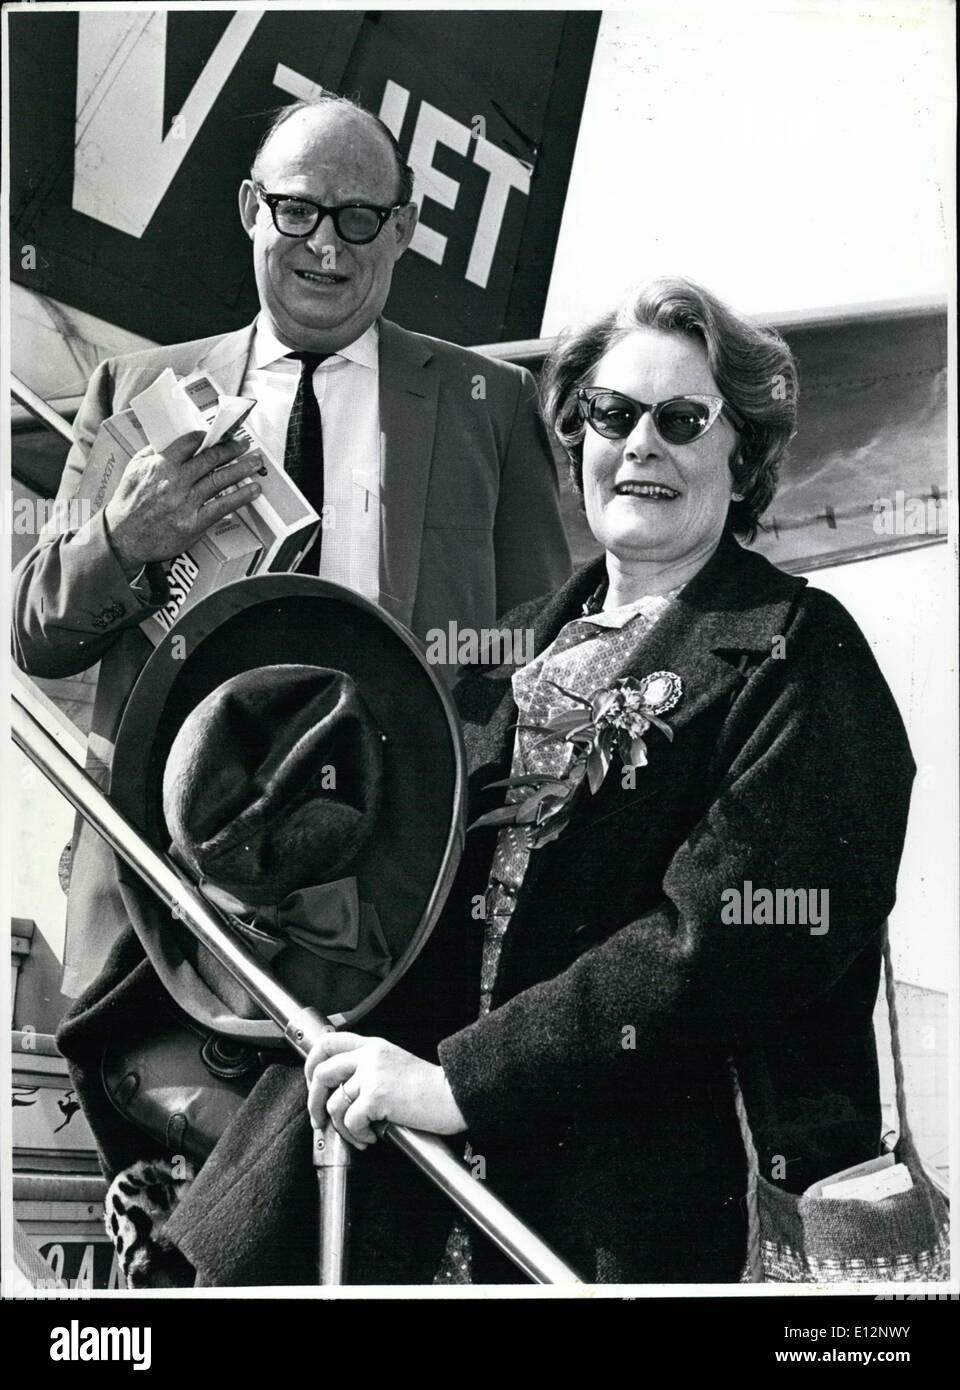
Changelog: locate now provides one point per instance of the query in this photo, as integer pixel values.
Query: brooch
(612, 720)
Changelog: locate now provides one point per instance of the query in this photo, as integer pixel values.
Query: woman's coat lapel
(725, 621)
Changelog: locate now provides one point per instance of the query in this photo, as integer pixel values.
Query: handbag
(179, 1082)
(807, 1239)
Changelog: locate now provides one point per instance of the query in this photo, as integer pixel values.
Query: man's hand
(358, 1081)
(165, 502)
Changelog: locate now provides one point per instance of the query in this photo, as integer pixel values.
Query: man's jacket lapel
(408, 415)
(719, 625)
(226, 361)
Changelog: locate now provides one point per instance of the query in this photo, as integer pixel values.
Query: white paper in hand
(166, 413)
(232, 411)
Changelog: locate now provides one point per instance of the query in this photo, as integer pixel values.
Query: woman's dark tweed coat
(597, 1090)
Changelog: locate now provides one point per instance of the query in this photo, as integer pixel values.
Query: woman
(690, 867)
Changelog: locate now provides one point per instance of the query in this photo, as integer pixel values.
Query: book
(225, 553)
(280, 516)
(271, 533)
(118, 439)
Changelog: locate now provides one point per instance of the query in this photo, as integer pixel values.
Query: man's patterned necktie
(303, 451)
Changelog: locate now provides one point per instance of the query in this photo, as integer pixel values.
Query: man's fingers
(329, 1045)
(208, 459)
(219, 507)
(183, 448)
(228, 473)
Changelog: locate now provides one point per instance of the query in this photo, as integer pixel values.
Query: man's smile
(321, 277)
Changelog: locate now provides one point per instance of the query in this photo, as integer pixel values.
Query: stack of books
(271, 533)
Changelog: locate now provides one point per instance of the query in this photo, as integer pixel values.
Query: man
(430, 463)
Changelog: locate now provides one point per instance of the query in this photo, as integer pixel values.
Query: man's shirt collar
(267, 347)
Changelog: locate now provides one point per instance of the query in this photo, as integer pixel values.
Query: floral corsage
(611, 720)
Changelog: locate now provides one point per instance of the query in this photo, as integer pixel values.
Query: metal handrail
(301, 1027)
(35, 738)
(39, 408)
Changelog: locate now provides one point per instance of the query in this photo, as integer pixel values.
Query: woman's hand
(358, 1081)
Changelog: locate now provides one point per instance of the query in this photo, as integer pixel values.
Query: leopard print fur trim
(139, 1202)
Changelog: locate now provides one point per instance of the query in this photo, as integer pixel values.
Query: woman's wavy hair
(753, 367)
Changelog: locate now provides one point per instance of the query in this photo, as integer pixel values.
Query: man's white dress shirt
(347, 387)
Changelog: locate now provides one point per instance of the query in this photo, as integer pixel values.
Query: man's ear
(404, 226)
(249, 206)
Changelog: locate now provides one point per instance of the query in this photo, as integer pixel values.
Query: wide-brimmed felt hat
(272, 682)
(273, 783)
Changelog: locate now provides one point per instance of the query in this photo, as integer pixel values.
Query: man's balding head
(332, 103)
(320, 292)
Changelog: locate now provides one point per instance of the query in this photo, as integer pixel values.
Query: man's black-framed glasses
(679, 420)
(356, 223)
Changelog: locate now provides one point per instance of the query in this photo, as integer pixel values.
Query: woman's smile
(645, 490)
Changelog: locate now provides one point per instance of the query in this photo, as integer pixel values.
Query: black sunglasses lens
(681, 421)
(612, 416)
(357, 224)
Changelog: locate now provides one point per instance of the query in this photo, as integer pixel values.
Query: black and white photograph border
(613, 474)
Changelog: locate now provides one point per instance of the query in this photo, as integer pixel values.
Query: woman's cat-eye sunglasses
(679, 420)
